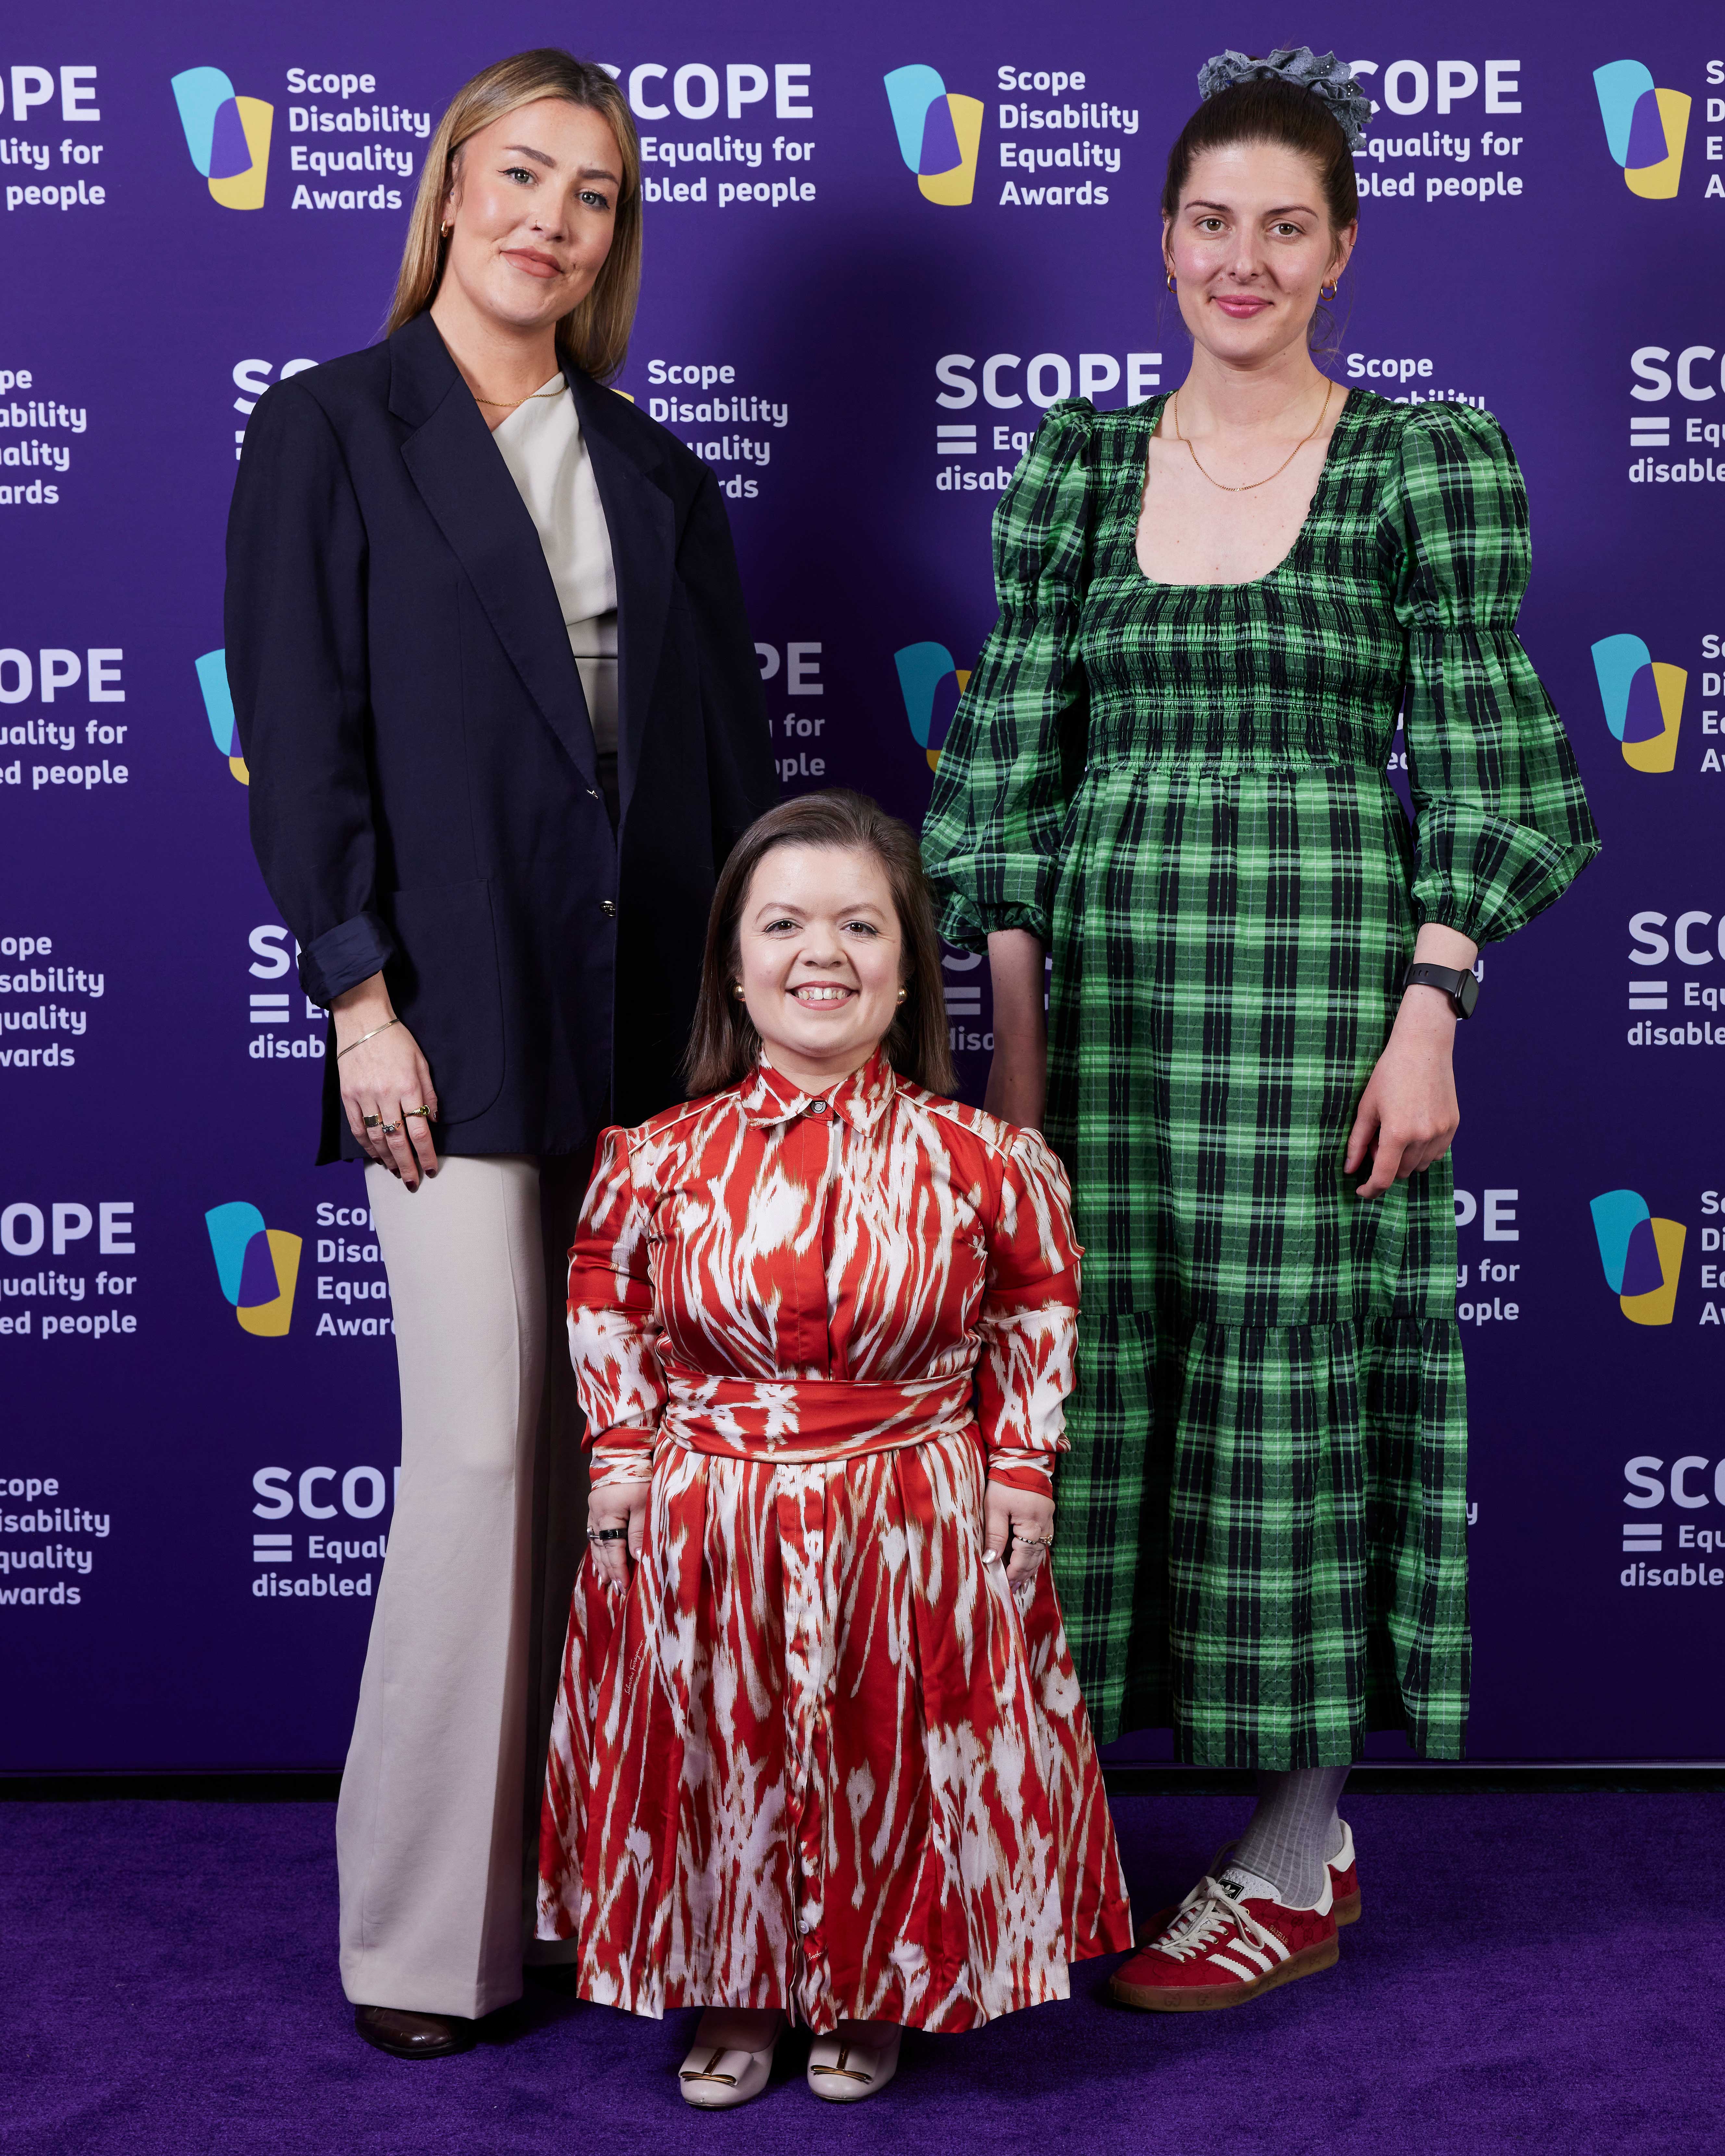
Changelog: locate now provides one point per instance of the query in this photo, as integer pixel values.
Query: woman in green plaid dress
(1169, 771)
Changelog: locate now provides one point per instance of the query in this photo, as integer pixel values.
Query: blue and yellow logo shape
(1646, 128)
(939, 134)
(228, 137)
(924, 672)
(1643, 698)
(218, 709)
(1642, 1256)
(258, 1267)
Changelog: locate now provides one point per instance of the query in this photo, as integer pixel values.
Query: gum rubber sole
(1212, 1998)
(1348, 1908)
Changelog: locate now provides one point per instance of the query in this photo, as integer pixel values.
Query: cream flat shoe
(857, 2060)
(717, 2076)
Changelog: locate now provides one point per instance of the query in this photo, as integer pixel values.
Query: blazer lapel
(642, 522)
(464, 483)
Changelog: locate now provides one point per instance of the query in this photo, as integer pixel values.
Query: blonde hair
(595, 334)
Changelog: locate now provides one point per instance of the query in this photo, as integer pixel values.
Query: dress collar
(860, 1100)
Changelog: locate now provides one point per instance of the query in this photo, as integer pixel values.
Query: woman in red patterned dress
(819, 1751)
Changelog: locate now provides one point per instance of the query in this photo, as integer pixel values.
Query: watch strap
(1459, 984)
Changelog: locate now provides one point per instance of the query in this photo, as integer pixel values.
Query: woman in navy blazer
(504, 919)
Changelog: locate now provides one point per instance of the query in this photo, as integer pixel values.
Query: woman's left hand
(1408, 1113)
(1015, 1516)
(612, 1507)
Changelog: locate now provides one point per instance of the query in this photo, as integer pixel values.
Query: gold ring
(424, 1111)
(389, 1129)
(370, 1123)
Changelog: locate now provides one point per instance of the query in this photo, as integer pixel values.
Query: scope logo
(1646, 128)
(218, 709)
(1643, 698)
(924, 670)
(258, 1267)
(939, 134)
(228, 137)
(1642, 1256)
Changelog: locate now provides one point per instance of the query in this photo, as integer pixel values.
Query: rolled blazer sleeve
(295, 624)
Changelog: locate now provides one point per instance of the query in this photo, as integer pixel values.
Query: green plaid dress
(1183, 790)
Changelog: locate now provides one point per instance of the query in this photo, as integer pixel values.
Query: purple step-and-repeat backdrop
(879, 243)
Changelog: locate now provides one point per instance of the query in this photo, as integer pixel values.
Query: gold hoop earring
(1173, 283)
(737, 990)
(444, 230)
(1329, 291)
(902, 993)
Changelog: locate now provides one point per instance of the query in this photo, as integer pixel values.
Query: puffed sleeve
(990, 841)
(612, 1330)
(1030, 1319)
(1502, 824)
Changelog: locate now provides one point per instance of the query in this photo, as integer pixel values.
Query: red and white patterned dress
(816, 1756)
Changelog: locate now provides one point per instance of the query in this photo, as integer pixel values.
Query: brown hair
(1296, 119)
(595, 334)
(723, 1045)
(1280, 112)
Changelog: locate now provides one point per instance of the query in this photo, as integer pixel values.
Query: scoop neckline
(1349, 397)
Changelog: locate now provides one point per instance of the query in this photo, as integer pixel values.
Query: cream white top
(541, 443)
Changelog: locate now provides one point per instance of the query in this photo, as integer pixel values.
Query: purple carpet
(1532, 1971)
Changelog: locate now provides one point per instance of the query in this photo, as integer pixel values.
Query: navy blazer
(424, 795)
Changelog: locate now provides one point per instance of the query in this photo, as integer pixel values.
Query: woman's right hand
(386, 1078)
(611, 1505)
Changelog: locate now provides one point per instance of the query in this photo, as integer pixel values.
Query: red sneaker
(1344, 1889)
(1224, 1947)
(1344, 1879)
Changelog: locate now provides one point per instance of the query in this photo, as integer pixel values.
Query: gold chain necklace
(499, 404)
(1174, 414)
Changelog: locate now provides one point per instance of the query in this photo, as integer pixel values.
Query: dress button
(607, 908)
(816, 1107)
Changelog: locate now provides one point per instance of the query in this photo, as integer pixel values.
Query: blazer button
(607, 908)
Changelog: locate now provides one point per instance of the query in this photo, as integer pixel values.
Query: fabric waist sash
(810, 1418)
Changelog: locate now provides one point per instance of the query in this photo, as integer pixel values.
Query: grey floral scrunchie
(1321, 73)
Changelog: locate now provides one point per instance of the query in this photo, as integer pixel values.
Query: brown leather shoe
(407, 2036)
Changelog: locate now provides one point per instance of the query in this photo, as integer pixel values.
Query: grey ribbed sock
(1294, 1832)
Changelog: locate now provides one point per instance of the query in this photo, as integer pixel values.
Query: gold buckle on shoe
(843, 2071)
(706, 2073)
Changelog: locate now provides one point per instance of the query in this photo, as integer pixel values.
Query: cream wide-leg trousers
(437, 1830)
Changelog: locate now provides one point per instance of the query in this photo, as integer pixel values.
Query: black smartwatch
(1462, 987)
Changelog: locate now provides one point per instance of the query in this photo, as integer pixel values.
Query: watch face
(1470, 993)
